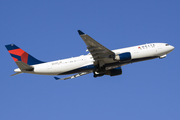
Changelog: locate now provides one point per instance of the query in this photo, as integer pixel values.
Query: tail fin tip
(11, 47)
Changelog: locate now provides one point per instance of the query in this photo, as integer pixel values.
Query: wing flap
(93, 45)
(98, 51)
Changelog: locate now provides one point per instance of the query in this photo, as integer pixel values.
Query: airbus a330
(100, 61)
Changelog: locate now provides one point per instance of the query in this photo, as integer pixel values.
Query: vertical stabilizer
(20, 55)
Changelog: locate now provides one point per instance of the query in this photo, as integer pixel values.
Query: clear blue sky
(46, 29)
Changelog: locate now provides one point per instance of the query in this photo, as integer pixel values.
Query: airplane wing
(74, 76)
(100, 53)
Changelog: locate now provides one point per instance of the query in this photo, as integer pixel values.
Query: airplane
(100, 61)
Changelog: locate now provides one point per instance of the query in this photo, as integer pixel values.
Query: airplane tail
(20, 55)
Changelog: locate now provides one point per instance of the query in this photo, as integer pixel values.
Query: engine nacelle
(123, 56)
(114, 72)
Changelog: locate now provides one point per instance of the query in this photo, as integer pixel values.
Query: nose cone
(170, 48)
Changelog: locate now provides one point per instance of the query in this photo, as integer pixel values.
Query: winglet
(56, 78)
(80, 32)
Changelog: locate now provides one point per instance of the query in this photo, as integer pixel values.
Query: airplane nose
(172, 48)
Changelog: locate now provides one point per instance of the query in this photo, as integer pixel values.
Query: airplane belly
(44, 69)
(58, 67)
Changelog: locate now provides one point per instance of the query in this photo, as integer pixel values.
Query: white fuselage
(85, 62)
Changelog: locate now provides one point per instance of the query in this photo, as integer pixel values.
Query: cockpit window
(167, 44)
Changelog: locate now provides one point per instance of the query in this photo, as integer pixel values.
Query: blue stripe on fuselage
(81, 69)
(92, 67)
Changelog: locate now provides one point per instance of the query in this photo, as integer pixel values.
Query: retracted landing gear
(99, 71)
(96, 74)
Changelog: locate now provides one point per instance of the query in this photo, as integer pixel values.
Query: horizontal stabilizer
(16, 73)
(23, 66)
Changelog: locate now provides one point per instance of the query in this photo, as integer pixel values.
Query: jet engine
(114, 72)
(123, 56)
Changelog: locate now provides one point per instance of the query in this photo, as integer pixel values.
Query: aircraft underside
(106, 69)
